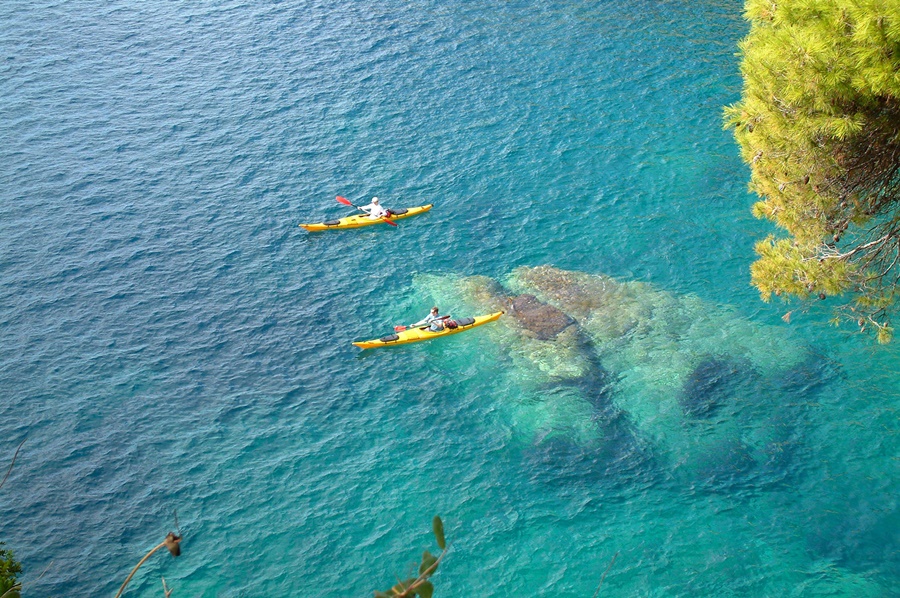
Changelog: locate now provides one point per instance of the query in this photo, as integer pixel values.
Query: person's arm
(428, 320)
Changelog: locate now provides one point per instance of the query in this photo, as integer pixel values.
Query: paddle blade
(391, 222)
(344, 200)
(399, 328)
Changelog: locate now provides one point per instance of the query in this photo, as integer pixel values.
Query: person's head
(434, 310)
(375, 200)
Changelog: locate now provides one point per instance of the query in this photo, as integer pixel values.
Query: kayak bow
(358, 220)
(413, 335)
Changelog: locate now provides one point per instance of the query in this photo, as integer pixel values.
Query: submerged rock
(696, 381)
(652, 325)
(609, 306)
(549, 367)
(542, 341)
(551, 361)
(539, 415)
(545, 321)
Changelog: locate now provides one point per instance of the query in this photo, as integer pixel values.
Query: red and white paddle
(402, 328)
(347, 202)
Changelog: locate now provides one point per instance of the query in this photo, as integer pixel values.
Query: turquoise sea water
(171, 340)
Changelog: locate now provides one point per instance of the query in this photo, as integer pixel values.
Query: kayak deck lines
(359, 220)
(412, 335)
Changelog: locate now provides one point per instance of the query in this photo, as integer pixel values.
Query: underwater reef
(623, 369)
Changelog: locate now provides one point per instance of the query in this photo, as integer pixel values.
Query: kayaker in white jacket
(436, 322)
(375, 210)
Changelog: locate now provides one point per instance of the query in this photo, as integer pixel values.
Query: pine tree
(9, 569)
(819, 124)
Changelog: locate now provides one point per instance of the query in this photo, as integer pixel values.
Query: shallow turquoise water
(173, 341)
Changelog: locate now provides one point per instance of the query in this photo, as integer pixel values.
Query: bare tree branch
(8, 471)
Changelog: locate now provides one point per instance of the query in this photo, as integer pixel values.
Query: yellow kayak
(413, 335)
(358, 220)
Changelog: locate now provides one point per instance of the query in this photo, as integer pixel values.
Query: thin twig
(177, 527)
(44, 572)
(423, 576)
(608, 567)
(8, 471)
(855, 250)
(8, 593)
(138, 566)
(18, 586)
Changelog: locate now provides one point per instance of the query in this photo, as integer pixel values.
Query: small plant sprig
(172, 543)
(421, 586)
(9, 569)
(9, 566)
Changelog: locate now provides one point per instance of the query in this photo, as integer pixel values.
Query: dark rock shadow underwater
(618, 382)
(768, 450)
(619, 464)
(713, 383)
(719, 386)
(861, 536)
(624, 460)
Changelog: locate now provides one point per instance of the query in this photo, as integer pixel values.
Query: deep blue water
(172, 341)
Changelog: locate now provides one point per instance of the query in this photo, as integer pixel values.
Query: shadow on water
(807, 379)
(861, 537)
(620, 461)
(855, 526)
(763, 453)
(756, 423)
(715, 382)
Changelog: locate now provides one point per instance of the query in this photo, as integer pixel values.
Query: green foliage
(438, 526)
(819, 124)
(9, 569)
(428, 561)
(421, 586)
